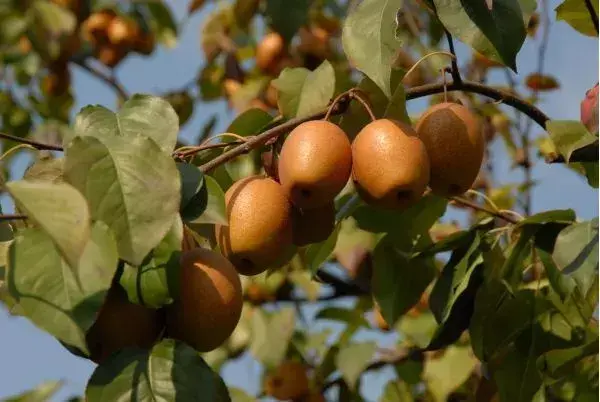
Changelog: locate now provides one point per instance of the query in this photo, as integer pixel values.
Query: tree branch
(35, 144)
(469, 86)
(110, 80)
(477, 207)
(593, 15)
(274, 132)
(12, 217)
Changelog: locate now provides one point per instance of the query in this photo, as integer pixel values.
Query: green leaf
(353, 359)
(576, 14)
(560, 362)
(398, 281)
(448, 372)
(146, 115)
(370, 42)
(41, 393)
(318, 253)
(131, 185)
(453, 296)
(59, 210)
(286, 17)
(553, 216)
(381, 106)
(351, 317)
(250, 122)
(46, 169)
(244, 11)
(47, 291)
(170, 371)
(516, 376)
(162, 23)
(154, 282)
(418, 330)
(56, 19)
(271, 334)
(194, 195)
(215, 212)
(396, 391)
(396, 108)
(592, 173)
(569, 136)
(500, 317)
(576, 253)
(415, 219)
(484, 29)
(302, 92)
(239, 395)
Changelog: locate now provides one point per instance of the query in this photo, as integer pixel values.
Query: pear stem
(355, 94)
(414, 66)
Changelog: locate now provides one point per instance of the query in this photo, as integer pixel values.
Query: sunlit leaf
(569, 136)
(353, 359)
(576, 14)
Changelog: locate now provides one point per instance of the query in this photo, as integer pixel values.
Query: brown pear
(315, 163)
(390, 164)
(287, 381)
(455, 144)
(209, 304)
(122, 324)
(269, 52)
(259, 234)
(313, 225)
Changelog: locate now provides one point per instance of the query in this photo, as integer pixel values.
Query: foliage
(499, 306)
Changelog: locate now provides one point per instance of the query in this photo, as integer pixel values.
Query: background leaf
(286, 17)
(41, 393)
(485, 30)
(576, 14)
(369, 40)
(446, 373)
(569, 136)
(303, 92)
(271, 334)
(353, 359)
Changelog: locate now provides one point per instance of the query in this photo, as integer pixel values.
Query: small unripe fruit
(455, 144)
(313, 225)
(315, 163)
(288, 381)
(269, 52)
(259, 234)
(209, 303)
(390, 164)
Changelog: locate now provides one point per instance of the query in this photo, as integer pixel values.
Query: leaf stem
(12, 217)
(455, 71)
(355, 94)
(593, 15)
(497, 214)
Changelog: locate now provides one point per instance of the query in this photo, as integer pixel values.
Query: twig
(112, 81)
(261, 139)
(35, 144)
(477, 207)
(469, 86)
(455, 71)
(189, 151)
(12, 217)
(593, 15)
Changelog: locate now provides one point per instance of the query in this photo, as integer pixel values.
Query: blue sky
(29, 356)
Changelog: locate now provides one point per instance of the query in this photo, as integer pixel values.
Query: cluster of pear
(111, 37)
(391, 165)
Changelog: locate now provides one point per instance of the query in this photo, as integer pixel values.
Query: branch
(593, 15)
(274, 132)
(401, 355)
(469, 86)
(588, 153)
(110, 80)
(12, 217)
(455, 71)
(35, 144)
(194, 150)
(477, 207)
